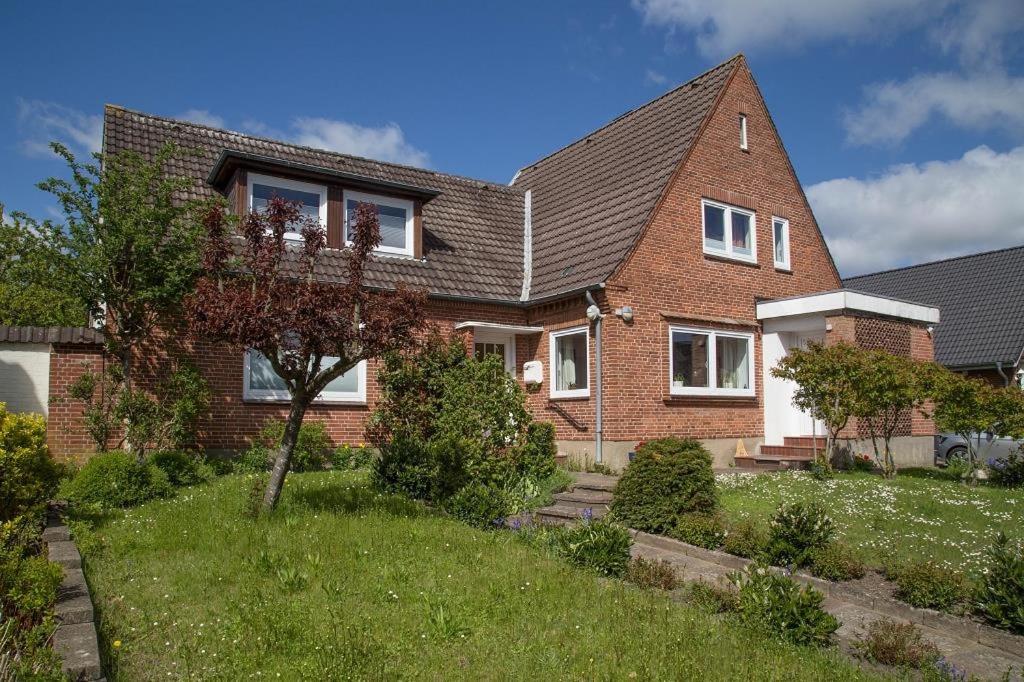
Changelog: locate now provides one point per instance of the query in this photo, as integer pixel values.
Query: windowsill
(361, 402)
(700, 397)
(570, 397)
(714, 255)
(780, 268)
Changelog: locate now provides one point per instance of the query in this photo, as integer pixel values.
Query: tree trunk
(284, 453)
(126, 388)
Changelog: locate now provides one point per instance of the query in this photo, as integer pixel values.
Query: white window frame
(712, 389)
(552, 359)
(325, 397)
(285, 183)
(743, 132)
(728, 251)
(410, 221)
(491, 336)
(784, 264)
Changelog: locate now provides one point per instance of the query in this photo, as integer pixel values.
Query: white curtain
(733, 371)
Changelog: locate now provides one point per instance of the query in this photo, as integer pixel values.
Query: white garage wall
(25, 376)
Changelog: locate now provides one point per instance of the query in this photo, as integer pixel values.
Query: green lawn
(341, 583)
(920, 514)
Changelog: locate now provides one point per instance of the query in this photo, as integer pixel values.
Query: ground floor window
(709, 362)
(262, 383)
(570, 363)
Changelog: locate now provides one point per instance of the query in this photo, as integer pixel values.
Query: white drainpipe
(594, 314)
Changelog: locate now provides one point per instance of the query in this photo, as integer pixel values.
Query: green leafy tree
(890, 387)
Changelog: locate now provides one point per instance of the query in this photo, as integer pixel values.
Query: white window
(495, 343)
(743, 131)
(780, 241)
(261, 382)
(396, 221)
(312, 198)
(570, 363)
(708, 362)
(729, 231)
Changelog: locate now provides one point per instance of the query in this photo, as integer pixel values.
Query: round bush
(28, 475)
(837, 562)
(406, 466)
(746, 539)
(1001, 594)
(116, 479)
(796, 530)
(182, 468)
(312, 450)
(668, 477)
(702, 530)
(478, 505)
(597, 545)
(927, 585)
(779, 605)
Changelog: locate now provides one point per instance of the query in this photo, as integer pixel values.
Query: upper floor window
(743, 131)
(396, 221)
(708, 362)
(311, 198)
(729, 231)
(780, 239)
(261, 382)
(570, 363)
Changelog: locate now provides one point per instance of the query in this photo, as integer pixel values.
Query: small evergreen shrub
(837, 562)
(406, 466)
(116, 479)
(256, 459)
(747, 539)
(702, 530)
(712, 598)
(893, 643)
(352, 457)
(780, 606)
(1008, 471)
(536, 458)
(1001, 594)
(28, 475)
(182, 468)
(479, 505)
(650, 574)
(795, 531)
(597, 545)
(312, 450)
(668, 478)
(925, 584)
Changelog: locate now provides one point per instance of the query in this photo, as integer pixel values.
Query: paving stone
(80, 650)
(73, 603)
(57, 532)
(64, 553)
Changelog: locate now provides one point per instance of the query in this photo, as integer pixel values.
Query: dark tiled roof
(980, 300)
(592, 199)
(473, 230)
(76, 335)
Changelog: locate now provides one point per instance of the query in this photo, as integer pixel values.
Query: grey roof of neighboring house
(980, 299)
(75, 335)
(592, 199)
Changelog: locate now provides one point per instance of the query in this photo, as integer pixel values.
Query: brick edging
(75, 639)
(961, 627)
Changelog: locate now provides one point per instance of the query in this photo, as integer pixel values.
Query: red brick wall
(65, 435)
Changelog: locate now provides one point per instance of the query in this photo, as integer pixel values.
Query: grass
(343, 583)
(921, 514)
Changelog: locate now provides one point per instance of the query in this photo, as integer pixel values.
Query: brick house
(640, 281)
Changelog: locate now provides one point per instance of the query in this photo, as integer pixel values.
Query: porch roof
(840, 300)
(495, 327)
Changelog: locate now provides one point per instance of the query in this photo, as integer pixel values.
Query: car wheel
(959, 451)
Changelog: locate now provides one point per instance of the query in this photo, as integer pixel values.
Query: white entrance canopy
(842, 300)
(503, 328)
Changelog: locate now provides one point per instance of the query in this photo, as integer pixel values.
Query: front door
(805, 424)
(495, 343)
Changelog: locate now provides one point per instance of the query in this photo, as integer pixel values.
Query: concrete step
(560, 515)
(771, 463)
(587, 481)
(788, 451)
(805, 441)
(583, 498)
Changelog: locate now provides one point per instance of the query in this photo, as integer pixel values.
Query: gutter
(594, 313)
(999, 368)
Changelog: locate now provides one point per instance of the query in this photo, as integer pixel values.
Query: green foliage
(702, 530)
(28, 475)
(796, 531)
(598, 545)
(894, 643)
(1000, 597)
(862, 463)
(116, 479)
(926, 584)
(312, 452)
(747, 539)
(836, 561)
(407, 466)
(1008, 471)
(780, 606)
(182, 467)
(651, 574)
(352, 457)
(668, 477)
(536, 458)
(889, 386)
(712, 598)
(479, 505)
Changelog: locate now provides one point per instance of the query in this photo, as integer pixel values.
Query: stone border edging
(966, 629)
(75, 638)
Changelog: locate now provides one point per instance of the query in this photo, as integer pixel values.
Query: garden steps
(560, 515)
(588, 491)
(773, 462)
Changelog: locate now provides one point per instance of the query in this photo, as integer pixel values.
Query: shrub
(28, 475)
(182, 468)
(893, 643)
(713, 598)
(406, 466)
(479, 505)
(702, 530)
(779, 605)
(795, 531)
(597, 545)
(349, 457)
(925, 584)
(668, 477)
(837, 562)
(116, 479)
(651, 574)
(255, 459)
(1001, 594)
(746, 539)
(862, 463)
(1008, 471)
(312, 449)
(536, 458)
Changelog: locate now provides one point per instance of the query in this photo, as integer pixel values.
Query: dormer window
(311, 197)
(396, 221)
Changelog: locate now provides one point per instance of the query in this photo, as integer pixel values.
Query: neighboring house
(682, 221)
(982, 301)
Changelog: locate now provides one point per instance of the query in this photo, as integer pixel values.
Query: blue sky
(904, 118)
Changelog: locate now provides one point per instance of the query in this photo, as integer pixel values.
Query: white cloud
(724, 27)
(41, 122)
(977, 31)
(921, 212)
(202, 117)
(652, 77)
(384, 143)
(894, 110)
